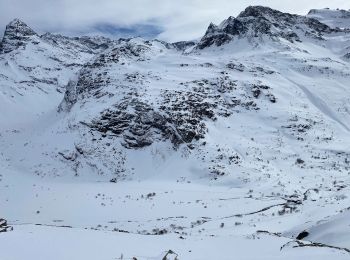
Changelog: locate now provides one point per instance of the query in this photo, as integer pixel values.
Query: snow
(73, 223)
(334, 18)
(259, 177)
(52, 243)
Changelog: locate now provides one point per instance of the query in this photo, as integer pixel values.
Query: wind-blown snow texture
(232, 147)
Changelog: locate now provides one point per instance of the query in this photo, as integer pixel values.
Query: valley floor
(74, 220)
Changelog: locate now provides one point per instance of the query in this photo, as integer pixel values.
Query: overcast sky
(170, 20)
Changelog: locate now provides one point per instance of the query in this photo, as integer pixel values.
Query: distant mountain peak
(16, 34)
(19, 28)
(258, 21)
(259, 11)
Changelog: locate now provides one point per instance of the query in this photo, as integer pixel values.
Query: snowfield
(65, 220)
(235, 146)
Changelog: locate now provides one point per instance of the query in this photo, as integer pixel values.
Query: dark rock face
(302, 235)
(3, 226)
(214, 36)
(140, 125)
(88, 81)
(135, 121)
(257, 90)
(17, 34)
(94, 43)
(123, 51)
(177, 116)
(86, 44)
(258, 21)
(70, 97)
(183, 45)
(318, 26)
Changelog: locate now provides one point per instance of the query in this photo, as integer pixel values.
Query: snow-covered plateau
(233, 146)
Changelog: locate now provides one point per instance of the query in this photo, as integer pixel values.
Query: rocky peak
(260, 11)
(17, 33)
(19, 28)
(259, 21)
(225, 22)
(212, 28)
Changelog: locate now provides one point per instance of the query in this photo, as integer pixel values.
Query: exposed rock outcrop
(17, 34)
(3, 226)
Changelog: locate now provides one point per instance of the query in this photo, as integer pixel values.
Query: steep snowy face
(258, 22)
(35, 70)
(85, 44)
(133, 98)
(146, 99)
(333, 18)
(17, 34)
(31, 60)
(142, 113)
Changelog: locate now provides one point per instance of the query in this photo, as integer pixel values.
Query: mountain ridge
(241, 135)
(258, 21)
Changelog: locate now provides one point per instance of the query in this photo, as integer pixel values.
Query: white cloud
(180, 19)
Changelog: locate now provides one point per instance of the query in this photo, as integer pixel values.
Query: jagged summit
(259, 11)
(259, 21)
(16, 34)
(19, 24)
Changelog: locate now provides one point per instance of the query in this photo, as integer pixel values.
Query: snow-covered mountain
(238, 136)
(258, 22)
(334, 18)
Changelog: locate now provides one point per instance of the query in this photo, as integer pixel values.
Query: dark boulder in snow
(302, 235)
(3, 226)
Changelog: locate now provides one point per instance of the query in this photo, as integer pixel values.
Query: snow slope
(208, 149)
(333, 18)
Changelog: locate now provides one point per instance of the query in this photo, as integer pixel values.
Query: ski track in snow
(321, 105)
